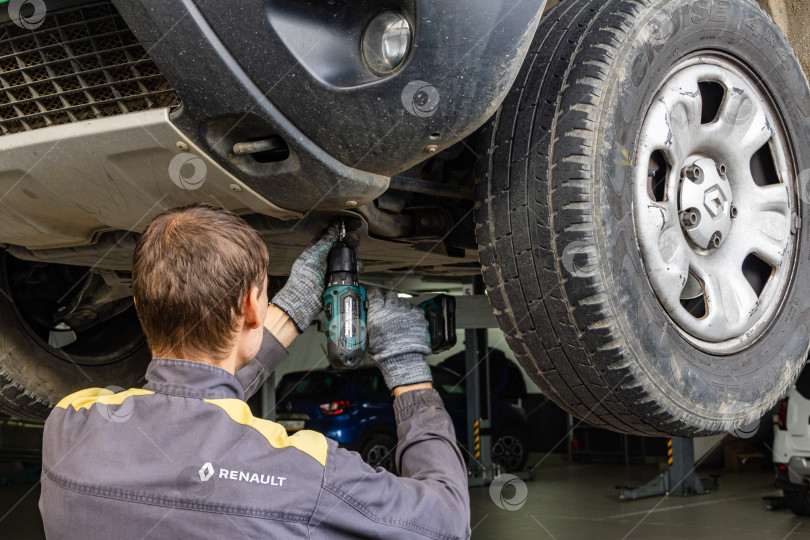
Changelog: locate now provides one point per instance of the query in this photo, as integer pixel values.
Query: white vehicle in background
(791, 445)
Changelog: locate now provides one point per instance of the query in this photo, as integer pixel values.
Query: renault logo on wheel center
(207, 471)
(706, 203)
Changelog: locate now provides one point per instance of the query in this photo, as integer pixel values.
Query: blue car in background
(355, 408)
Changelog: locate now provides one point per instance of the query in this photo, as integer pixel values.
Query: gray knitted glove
(397, 339)
(302, 296)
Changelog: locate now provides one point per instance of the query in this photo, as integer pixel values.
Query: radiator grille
(80, 64)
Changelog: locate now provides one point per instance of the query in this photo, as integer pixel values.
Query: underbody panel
(68, 183)
(285, 241)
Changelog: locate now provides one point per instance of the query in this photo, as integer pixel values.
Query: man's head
(199, 278)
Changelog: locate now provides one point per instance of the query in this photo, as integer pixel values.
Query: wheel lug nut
(690, 218)
(721, 169)
(715, 240)
(734, 212)
(693, 173)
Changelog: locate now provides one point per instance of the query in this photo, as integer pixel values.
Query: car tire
(510, 449)
(561, 217)
(34, 376)
(378, 451)
(798, 500)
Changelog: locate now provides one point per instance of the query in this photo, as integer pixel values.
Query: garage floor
(579, 501)
(576, 501)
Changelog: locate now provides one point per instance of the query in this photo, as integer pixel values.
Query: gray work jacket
(183, 457)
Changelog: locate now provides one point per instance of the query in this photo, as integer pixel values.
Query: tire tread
(546, 339)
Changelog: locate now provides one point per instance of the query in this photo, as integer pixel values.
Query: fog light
(386, 42)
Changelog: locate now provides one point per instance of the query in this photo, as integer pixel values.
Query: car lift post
(679, 479)
(479, 438)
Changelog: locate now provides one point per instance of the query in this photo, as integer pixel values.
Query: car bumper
(292, 70)
(795, 472)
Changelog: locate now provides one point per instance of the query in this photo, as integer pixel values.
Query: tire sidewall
(752, 379)
(798, 500)
(45, 374)
(381, 439)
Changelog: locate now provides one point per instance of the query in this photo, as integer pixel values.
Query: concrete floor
(579, 501)
(19, 515)
(568, 501)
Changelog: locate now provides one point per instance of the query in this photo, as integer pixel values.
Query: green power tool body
(344, 302)
(345, 307)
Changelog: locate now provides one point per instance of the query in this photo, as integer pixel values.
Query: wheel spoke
(774, 198)
(730, 301)
(677, 119)
(670, 266)
(763, 224)
(769, 249)
(742, 125)
(772, 240)
(684, 121)
(673, 277)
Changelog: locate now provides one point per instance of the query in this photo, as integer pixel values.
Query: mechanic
(184, 457)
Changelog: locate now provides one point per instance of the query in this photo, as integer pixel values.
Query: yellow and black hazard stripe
(477, 439)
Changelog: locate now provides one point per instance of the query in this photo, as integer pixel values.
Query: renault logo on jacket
(207, 471)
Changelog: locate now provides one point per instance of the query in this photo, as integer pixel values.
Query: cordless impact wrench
(344, 303)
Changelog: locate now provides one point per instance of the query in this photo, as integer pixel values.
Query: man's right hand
(302, 297)
(398, 339)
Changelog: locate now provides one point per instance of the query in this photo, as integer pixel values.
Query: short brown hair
(191, 271)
